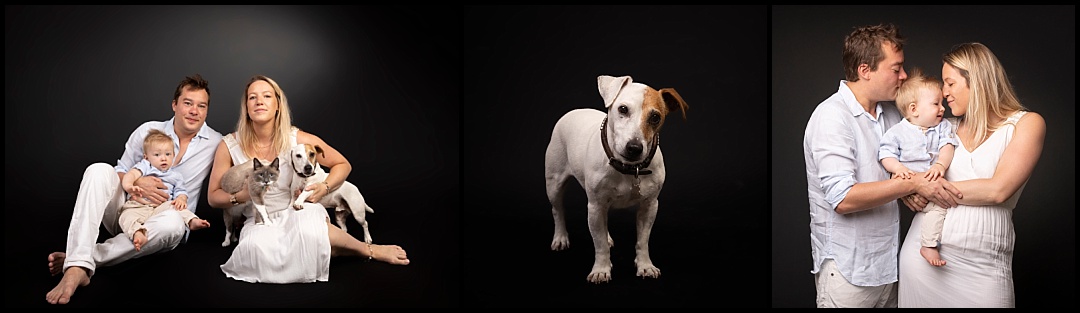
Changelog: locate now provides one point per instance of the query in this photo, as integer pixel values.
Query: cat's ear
(258, 163)
(275, 163)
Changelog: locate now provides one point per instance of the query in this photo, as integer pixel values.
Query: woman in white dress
(297, 245)
(1000, 143)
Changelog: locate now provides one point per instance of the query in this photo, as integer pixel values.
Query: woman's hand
(318, 190)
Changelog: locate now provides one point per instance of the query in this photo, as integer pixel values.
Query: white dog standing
(346, 200)
(616, 158)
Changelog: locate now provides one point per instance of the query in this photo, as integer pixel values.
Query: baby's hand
(179, 204)
(906, 174)
(136, 191)
(933, 174)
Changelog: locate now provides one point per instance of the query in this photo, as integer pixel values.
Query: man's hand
(939, 191)
(153, 191)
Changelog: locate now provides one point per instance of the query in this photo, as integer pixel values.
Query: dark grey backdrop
(1037, 47)
(384, 92)
(526, 66)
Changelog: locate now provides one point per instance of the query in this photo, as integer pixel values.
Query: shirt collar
(853, 105)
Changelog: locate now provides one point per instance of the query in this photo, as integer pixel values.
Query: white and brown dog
(616, 158)
(346, 200)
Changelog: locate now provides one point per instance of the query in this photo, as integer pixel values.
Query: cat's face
(264, 176)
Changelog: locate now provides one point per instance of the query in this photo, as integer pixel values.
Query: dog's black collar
(628, 169)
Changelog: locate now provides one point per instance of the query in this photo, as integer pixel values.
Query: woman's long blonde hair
(991, 93)
(245, 131)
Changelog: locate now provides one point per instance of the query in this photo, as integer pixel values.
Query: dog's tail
(355, 201)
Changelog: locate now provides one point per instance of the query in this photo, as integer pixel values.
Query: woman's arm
(222, 162)
(1013, 169)
(331, 158)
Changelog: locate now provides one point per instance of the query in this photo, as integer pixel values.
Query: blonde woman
(296, 247)
(999, 144)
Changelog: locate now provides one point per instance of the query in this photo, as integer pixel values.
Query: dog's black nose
(633, 149)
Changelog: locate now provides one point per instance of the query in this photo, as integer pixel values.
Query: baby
(157, 160)
(922, 142)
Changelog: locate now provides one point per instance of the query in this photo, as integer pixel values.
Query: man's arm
(834, 152)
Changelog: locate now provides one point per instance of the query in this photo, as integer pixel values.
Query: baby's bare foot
(931, 255)
(139, 239)
(198, 223)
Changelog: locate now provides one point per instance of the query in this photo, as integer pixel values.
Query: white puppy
(615, 156)
(345, 200)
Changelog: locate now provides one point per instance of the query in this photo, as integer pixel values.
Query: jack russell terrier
(616, 158)
(345, 200)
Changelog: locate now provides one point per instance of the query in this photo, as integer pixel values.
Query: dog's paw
(297, 205)
(560, 243)
(601, 272)
(648, 271)
(597, 277)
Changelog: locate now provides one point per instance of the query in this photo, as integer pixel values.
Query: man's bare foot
(390, 254)
(73, 278)
(931, 255)
(139, 239)
(198, 223)
(56, 262)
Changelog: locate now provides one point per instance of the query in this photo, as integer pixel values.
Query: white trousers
(835, 291)
(98, 202)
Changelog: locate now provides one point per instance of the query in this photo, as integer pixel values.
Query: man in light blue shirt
(101, 196)
(854, 218)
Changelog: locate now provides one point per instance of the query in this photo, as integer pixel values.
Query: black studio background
(386, 94)
(1035, 44)
(525, 66)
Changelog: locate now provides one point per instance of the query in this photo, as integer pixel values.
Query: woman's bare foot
(389, 253)
(931, 255)
(198, 223)
(56, 262)
(139, 239)
(73, 278)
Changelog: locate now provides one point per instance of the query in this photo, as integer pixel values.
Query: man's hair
(194, 82)
(864, 46)
(909, 91)
(156, 137)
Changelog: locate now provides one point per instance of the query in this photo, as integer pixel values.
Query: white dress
(294, 249)
(976, 241)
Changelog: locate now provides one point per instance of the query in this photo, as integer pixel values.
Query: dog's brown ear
(674, 101)
(610, 86)
(319, 150)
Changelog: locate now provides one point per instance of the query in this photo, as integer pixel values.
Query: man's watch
(232, 198)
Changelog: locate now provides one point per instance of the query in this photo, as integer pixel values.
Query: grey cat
(258, 178)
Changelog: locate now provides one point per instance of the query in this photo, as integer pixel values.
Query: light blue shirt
(915, 149)
(173, 180)
(194, 167)
(840, 149)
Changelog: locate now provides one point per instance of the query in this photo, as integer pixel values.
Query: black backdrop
(527, 66)
(386, 94)
(1036, 44)
(79, 79)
